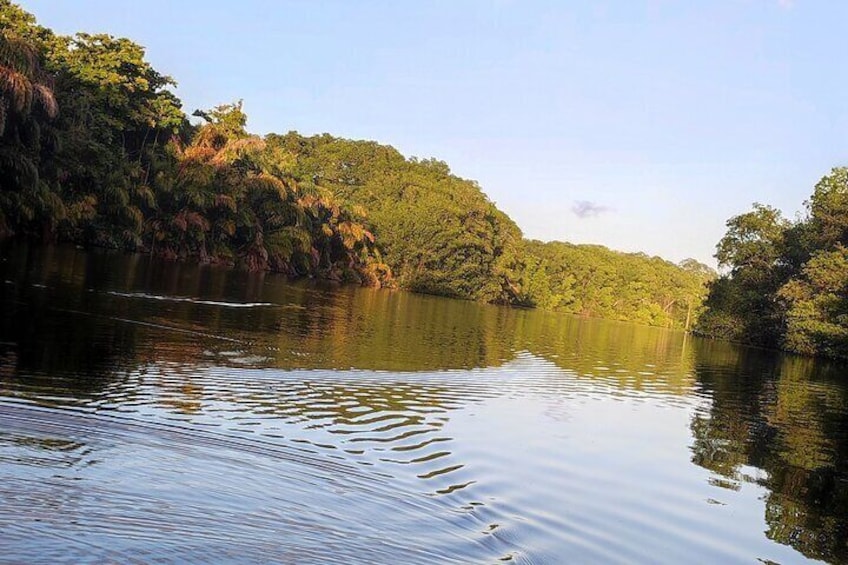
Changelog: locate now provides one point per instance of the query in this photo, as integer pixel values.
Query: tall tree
(742, 305)
(27, 103)
(786, 284)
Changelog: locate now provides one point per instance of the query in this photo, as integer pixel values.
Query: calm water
(155, 411)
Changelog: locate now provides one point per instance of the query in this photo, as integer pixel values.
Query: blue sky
(640, 125)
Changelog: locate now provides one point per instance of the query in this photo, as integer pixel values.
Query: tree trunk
(688, 315)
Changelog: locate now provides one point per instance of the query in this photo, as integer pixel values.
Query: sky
(642, 125)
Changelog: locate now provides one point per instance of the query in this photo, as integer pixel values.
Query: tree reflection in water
(381, 372)
(784, 415)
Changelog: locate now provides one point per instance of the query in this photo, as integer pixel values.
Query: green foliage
(828, 210)
(593, 281)
(438, 232)
(788, 282)
(231, 197)
(817, 306)
(98, 156)
(742, 304)
(121, 166)
(117, 115)
(753, 241)
(27, 105)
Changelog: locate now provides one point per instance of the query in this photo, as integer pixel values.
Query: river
(159, 411)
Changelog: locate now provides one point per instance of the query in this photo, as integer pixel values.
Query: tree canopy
(787, 282)
(97, 150)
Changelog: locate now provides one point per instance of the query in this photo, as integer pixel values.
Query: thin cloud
(786, 4)
(587, 209)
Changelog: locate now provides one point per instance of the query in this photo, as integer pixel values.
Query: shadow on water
(184, 362)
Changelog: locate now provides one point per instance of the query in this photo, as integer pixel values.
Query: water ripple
(165, 412)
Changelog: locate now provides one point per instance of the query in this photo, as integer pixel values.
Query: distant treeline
(97, 150)
(787, 281)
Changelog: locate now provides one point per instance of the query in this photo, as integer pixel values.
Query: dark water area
(162, 412)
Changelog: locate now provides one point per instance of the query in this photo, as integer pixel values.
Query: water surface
(156, 411)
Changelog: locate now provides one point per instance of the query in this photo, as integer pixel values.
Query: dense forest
(97, 150)
(787, 281)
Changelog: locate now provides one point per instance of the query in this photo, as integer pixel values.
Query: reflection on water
(163, 411)
(782, 423)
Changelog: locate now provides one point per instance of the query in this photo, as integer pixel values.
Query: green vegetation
(97, 150)
(439, 233)
(787, 282)
(592, 280)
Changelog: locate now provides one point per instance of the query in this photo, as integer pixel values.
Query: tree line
(786, 284)
(97, 150)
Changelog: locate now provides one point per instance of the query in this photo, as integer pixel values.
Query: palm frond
(225, 201)
(269, 183)
(19, 167)
(16, 53)
(46, 100)
(17, 89)
(135, 216)
(146, 195)
(238, 149)
(351, 233)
